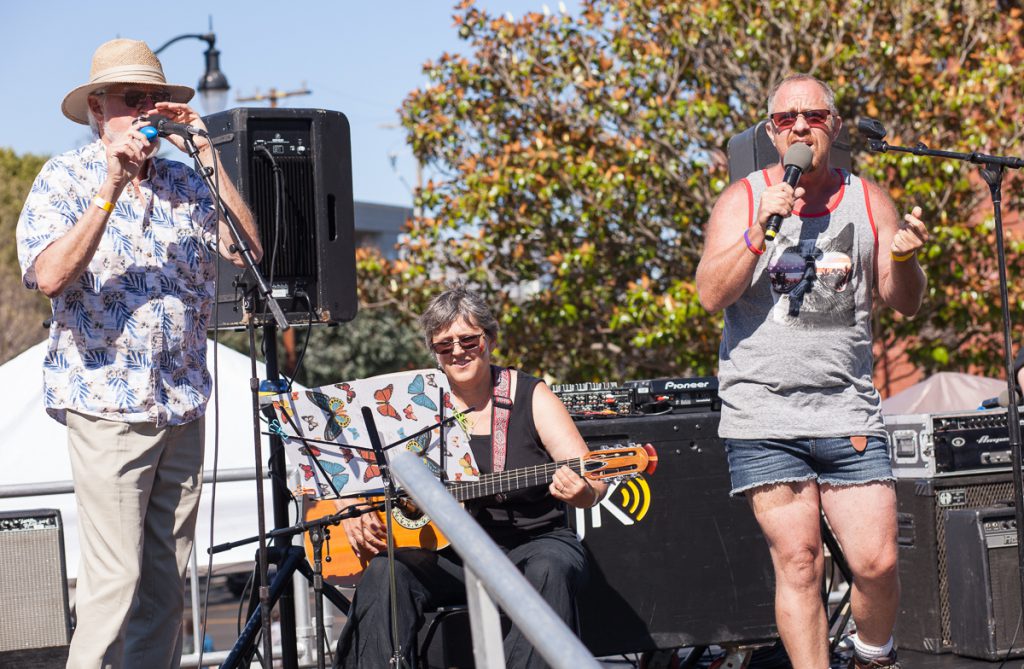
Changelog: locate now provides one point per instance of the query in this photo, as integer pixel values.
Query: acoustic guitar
(413, 529)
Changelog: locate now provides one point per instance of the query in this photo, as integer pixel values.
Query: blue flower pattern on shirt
(128, 338)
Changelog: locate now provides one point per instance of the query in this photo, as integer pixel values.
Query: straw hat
(120, 61)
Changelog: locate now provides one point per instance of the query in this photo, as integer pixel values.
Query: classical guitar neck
(515, 479)
(602, 464)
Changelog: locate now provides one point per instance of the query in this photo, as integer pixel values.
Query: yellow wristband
(103, 204)
(902, 258)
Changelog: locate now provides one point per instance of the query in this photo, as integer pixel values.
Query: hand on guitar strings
(366, 533)
(569, 487)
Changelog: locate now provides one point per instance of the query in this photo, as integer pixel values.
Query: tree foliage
(575, 160)
(22, 312)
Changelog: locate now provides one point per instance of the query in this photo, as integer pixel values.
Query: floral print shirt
(128, 337)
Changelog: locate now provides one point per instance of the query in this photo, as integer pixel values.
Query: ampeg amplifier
(923, 506)
(923, 445)
(984, 582)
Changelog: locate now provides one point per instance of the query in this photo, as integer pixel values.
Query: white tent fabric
(944, 391)
(33, 449)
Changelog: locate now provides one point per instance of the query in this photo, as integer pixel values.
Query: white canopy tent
(33, 450)
(944, 391)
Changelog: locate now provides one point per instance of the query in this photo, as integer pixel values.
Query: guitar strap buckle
(501, 412)
(502, 403)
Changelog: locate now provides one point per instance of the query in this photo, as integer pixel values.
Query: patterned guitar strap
(501, 412)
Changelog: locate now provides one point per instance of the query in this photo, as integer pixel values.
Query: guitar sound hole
(408, 515)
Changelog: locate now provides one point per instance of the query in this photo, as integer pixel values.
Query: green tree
(575, 161)
(22, 311)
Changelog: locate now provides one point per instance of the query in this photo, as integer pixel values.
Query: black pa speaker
(293, 166)
(674, 561)
(984, 583)
(924, 619)
(36, 626)
(753, 150)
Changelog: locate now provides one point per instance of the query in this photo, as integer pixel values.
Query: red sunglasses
(816, 118)
(469, 343)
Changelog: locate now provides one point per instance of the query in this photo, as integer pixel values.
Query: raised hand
(127, 153)
(179, 112)
(911, 234)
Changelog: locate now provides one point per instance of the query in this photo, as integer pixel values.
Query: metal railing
(66, 487)
(488, 566)
(306, 649)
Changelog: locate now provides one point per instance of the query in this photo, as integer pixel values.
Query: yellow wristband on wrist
(105, 205)
(902, 258)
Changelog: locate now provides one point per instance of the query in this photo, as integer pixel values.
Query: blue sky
(360, 57)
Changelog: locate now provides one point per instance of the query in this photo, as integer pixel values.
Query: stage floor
(915, 660)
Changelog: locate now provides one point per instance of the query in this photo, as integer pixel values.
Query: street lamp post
(213, 85)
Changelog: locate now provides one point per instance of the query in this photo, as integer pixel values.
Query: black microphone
(165, 127)
(797, 159)
(871, 128)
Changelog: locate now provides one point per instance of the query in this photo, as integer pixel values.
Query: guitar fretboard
(514, 479)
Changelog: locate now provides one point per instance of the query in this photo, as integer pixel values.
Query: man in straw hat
(124, 244)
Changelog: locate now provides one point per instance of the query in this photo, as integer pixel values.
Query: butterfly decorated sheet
(330, 418)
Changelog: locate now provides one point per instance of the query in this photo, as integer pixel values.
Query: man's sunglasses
(469, 343)
(816, 118)
(134, 98)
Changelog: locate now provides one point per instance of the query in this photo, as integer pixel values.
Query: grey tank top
(795, 359)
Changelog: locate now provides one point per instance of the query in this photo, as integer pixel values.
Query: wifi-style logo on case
(627, 502)
(634, 496)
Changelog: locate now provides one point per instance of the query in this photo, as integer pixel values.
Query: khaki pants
(137, 489)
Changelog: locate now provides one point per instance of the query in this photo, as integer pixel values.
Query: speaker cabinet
(674, 561)
(36, 627)
(753, 150)
(292, 166)
(984, 583)
(923, 622)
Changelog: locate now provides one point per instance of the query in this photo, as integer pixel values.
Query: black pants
(553, 563)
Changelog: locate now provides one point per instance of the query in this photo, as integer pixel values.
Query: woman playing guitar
(514, 421)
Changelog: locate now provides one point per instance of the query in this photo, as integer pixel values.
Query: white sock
(868, 652)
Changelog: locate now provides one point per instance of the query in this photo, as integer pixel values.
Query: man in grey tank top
(801, 417)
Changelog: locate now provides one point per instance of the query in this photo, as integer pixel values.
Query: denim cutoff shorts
(759, 462)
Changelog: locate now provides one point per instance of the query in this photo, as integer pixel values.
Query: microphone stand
(242, 248)
(294, 560)
(992, 169)
(389, 494)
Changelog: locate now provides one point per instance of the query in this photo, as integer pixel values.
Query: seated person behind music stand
(529, 524)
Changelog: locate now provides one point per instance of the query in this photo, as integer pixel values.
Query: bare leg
(863, 518)
(789, 515)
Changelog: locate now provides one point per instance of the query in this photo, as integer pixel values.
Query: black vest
(523, 514)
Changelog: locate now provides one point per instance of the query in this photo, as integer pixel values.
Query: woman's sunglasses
(816, 118)
(469, 343)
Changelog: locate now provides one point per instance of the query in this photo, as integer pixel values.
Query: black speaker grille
(976, 497)
(311, 256)
(297, 242)
(1005, 598)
